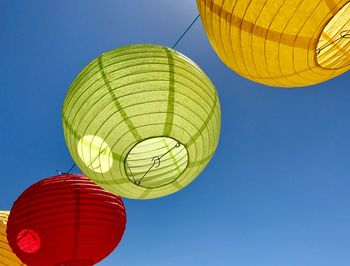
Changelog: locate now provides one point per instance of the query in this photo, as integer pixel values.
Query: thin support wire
(185, 32)
(89, 165)
(66, 173)
(156, 160)
(70, 169)
(343, 35)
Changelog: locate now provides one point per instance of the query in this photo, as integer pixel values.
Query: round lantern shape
(142, 121)
(285, 43)
(65, 220)
(7, 257)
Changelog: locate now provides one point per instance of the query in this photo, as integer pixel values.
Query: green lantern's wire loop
(156, 161)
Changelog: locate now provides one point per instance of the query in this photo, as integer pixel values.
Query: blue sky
(275, 194)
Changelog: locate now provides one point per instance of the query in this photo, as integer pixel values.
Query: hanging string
(185, 32)
(89, 165)
(70, 169)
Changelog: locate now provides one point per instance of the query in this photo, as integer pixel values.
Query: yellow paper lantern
(7, 257)
(285, 43)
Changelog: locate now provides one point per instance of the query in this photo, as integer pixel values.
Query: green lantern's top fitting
(142, 121)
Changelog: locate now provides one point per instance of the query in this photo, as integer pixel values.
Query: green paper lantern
(142, 121)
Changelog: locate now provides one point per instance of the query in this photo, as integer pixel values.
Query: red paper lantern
(65, 220)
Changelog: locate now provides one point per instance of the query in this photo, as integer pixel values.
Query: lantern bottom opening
(333, 48)
(156, 162)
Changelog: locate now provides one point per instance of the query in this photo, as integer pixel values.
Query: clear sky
(275, 194)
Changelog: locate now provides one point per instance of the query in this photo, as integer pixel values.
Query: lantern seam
(237, 21)
(201, 129)
(128, 122)
(171, 97)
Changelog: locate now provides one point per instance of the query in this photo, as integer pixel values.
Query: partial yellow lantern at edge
(280, 43)
(7, 257)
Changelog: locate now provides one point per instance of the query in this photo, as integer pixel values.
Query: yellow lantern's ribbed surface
(7, 257)
(142, 121)
(285, 43)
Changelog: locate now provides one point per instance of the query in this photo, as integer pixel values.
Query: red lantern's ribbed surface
(65, 220)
